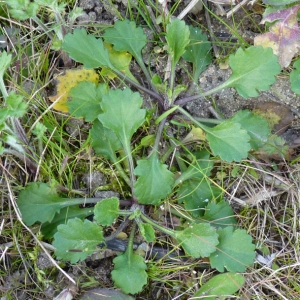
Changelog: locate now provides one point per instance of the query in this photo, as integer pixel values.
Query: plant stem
(127, 150)
(205, 128)
(78, 201)
(120, 169)
(185, 100)
(161, 228)
(123, 225)
(145, 71)
(172, 79)
(131, 237)
(158, 134)
(156, 96)
(3, 89)
(45, 29)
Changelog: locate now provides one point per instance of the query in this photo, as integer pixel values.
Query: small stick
(238, 6)
(209, 26)
(189, 7)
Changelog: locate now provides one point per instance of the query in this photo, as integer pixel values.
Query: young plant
(208, 228)
(25, 9)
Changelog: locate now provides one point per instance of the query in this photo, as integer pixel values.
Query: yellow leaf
(120, 60)
(69, 80)
(196, 134)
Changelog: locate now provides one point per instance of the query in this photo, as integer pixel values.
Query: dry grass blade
(19, 218)
(271, 215)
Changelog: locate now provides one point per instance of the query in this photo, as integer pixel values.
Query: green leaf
(76, 240)
(129, 272)
(104, 141)
(219, 214)
(199, 169)
(125, 36)
(159, 85)
(198, 240)
(235, 251)
(275, 145)
(122, 113)
(220, 285)
(85, 100)
(1, 148)
(22, 9)
(257, 127)
(15, 105)
(196, 194)
(39, 130)
(104, 294)
(249, 78)
(107, 211)
(147, 232)
(49, 229)
(154, 182)
(229, 141)
(295, 77)
(38, 203)
(198, 51)
(177, 38)
(93, 55)
(5, 60)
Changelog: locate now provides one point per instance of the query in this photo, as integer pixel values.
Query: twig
(209, 26)
(238, 6)
(189, 7)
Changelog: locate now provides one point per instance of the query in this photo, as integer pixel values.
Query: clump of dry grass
(273, 221)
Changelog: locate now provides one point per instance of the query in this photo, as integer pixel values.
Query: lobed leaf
(249, 78)
(198, 51)
(219, 214)
(154, 182)
(120, 60)
(76, 240)
(125, 36)
(122, 113)
(220, 285)
(85, 100)
(229, 141)
(177, 37)
(196, 194)
(49, 229)
(284, 34)
(257, 127)
(147, 231)
(38, 202)
(15, 105)
(92, 56)
(22, 9)
(104, 141)
(129, 272)
(107, 211)
(71, 79)
(235, 251)
(198, 240)
(200, 169)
